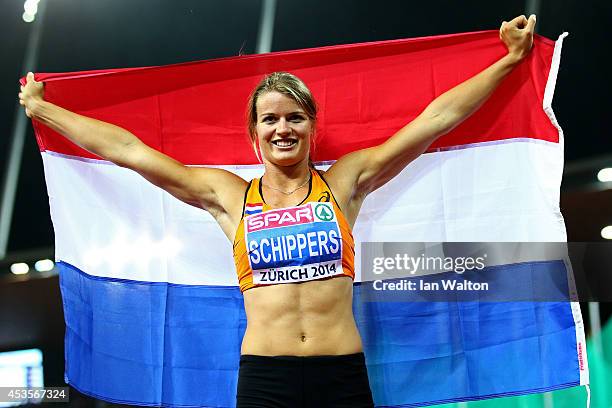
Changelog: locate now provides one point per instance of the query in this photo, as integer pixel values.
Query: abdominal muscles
(301, 319)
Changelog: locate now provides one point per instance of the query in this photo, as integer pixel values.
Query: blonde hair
(286, 84)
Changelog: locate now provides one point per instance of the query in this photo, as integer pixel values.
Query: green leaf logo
(324, 212)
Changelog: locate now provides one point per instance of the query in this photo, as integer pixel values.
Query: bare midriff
(301, 319)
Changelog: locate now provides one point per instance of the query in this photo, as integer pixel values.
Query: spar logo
(324, 212)
(284, 217)
(280, 218)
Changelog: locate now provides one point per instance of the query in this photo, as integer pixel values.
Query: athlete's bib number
(294, 244)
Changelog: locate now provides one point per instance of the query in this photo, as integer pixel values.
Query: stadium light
(28, 18)
(605, 175)
(44, 265)
(606, 232)
(30, 8)
(20, 268)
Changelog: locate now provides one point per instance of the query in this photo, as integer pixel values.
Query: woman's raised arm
(215, 190)
(368, 169)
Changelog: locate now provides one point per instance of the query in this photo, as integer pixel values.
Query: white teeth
(284, 143)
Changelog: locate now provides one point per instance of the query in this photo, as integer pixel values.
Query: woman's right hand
(32, 93)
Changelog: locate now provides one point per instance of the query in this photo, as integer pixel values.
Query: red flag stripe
(195, 112)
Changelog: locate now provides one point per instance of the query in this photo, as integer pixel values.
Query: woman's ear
(313, 139)
(257, 150)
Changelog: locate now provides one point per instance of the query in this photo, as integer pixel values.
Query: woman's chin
(286, 159)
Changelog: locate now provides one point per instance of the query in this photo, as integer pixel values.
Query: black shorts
(294, 382)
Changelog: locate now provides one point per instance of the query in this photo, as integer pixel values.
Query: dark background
(96, 34)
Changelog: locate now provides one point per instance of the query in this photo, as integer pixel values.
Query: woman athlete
(301, 346)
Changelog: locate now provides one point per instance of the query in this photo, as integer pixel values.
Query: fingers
(21, 99)
(30, 79)
(502, 28)
(531, 23)
(30, 91)
(519, 21)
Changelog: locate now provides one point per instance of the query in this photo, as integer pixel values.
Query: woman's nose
(283, 127)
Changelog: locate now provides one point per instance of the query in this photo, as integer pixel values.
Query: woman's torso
(303, 319)
(307, 318)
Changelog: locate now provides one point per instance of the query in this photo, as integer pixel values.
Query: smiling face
(283, 130)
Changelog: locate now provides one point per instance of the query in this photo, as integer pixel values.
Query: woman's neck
(286, 178)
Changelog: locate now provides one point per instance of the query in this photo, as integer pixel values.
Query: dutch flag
(153, 312)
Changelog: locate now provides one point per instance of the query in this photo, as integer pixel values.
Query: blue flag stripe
(179, 345)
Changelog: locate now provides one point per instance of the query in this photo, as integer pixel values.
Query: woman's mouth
(284, 143)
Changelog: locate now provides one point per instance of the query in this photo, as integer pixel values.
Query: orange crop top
(307, 242)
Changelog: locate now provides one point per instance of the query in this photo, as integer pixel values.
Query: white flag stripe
(504, 192)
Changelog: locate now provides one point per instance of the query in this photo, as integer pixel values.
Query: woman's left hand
(517, 35)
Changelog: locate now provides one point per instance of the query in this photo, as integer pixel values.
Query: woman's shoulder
(342, 189)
